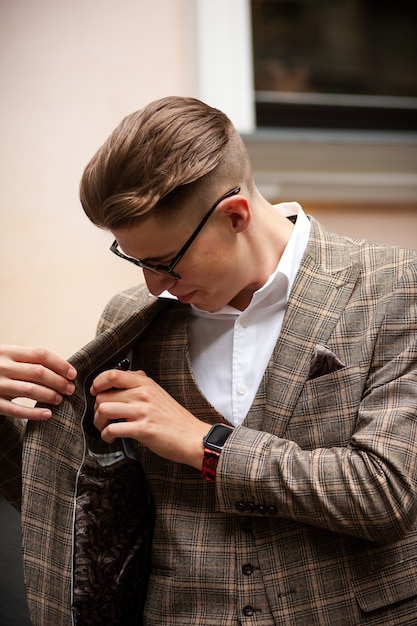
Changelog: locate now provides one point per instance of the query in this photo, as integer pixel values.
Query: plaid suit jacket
(312, 519)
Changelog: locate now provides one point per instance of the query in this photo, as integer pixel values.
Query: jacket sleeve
(361, 481)
(11, 438)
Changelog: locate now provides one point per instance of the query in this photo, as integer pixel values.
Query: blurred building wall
(69, 72)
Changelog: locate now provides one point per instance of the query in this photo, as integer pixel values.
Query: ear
(237, 209)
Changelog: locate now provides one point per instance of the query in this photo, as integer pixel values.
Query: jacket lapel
(320, 294)
(108, 346)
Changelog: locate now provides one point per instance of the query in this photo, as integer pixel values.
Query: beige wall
(69, 71)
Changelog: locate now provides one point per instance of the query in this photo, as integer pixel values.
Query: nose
(157, 283)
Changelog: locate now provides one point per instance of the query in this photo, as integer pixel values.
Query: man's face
(212, 269)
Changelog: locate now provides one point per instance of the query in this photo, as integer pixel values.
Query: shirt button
(244, 322)
(242, 389)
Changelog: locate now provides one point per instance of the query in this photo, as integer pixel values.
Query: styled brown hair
(168, 151)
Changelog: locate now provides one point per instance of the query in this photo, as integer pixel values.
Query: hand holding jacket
(35, 374)
(130, 404)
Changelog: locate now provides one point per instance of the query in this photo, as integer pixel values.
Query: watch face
(217, 436)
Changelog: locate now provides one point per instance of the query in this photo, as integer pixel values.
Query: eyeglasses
(167, 270)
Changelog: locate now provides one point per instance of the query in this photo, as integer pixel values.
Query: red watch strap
(210, 461)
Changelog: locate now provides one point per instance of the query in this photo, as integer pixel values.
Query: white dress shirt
(230, 349)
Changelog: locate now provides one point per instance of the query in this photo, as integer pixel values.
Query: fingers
(120, 405)
(117, 379)
(132, 405)
(32, 373)
(13, 356)
(20, 411)
(109, 421)
(121, 398)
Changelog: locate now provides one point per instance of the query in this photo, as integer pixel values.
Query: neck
(242, 300)
(265, 252)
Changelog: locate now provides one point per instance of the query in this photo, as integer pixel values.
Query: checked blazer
(312, 518)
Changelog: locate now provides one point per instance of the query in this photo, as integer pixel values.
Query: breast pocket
(326, 412)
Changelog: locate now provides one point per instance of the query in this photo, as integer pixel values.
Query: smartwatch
(213, 444)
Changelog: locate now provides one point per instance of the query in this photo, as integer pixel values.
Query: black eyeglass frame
(168, 269)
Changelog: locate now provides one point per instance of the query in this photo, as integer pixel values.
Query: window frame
(326, 165)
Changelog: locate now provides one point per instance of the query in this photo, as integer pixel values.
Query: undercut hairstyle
(158, 159)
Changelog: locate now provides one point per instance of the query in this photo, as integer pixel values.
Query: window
(346, 64)
(310, 141)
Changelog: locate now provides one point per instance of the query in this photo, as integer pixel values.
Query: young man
(270, 401)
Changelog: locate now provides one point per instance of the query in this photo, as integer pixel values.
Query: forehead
(152, 239)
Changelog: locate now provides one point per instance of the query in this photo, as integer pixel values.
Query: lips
(186, 297)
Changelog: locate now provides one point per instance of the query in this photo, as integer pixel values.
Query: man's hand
(150, 415)
(34, 374)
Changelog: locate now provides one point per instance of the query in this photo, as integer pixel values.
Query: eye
(155, 262)
(166, 261)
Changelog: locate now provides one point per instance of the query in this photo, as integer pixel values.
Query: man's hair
(158, 158)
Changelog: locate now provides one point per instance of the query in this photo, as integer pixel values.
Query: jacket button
(272, 510)
(247, 569)
(248, 611)
(241, 507)
(261, 508)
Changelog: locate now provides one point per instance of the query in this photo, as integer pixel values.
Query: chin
(209, 302)
(207, 306)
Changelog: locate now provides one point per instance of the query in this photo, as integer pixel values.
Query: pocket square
(323, 361)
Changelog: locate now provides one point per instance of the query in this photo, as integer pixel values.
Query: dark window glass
(335, 63)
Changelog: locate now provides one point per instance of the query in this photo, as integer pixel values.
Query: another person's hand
(130, 404)
(34, 374)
